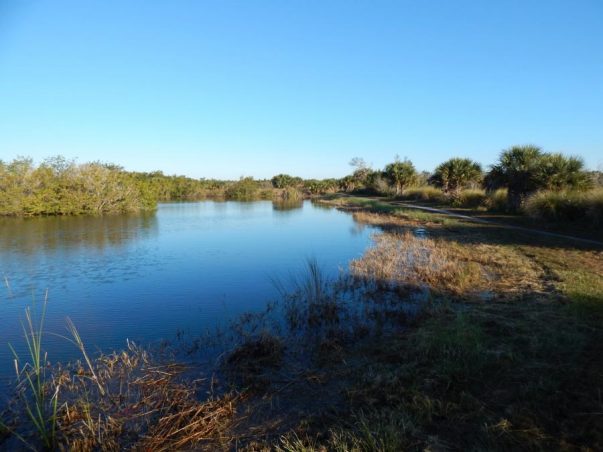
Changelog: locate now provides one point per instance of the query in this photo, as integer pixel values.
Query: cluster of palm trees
(522, 170)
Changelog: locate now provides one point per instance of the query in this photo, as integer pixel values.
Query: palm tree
(517, 170)
(526, 169)
(402, 174)
(559, 172)
(455, 174)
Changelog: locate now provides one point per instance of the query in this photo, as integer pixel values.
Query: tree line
(58, 186)
(520, 170)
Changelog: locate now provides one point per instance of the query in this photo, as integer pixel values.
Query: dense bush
(285, 181)
(470, 198)
(320, 187)
(287, 194)
(426, 193)
(246, 189)
(585, 206)
(524, 170)
(496, 200)
(62, 187)
(180, 188)
(455, 174)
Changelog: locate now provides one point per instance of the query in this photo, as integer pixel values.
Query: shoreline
(502, 309)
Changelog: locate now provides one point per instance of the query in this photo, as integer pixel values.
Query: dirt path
(494, 223)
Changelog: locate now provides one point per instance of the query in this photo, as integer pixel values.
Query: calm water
(186, 268)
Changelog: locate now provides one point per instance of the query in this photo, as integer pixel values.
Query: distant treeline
(59, 186)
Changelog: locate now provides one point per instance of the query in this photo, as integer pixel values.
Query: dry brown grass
(129, 400)
(445, 265)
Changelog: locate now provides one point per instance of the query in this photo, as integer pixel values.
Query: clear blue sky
(224, 89)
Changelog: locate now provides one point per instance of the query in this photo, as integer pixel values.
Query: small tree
(456, 174)
(362, 172)
(402, 174)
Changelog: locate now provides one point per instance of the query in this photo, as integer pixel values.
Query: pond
(183, 269)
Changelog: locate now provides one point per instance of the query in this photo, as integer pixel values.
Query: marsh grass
(426, 193)
(39, 398)
(497, 200)
(131, 399)
(378, 431)
(470, 199)
(567, 206)
(445, 267)
(470, 372)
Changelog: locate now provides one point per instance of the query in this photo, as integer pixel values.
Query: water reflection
(287, 204)
(72, 234)
(188, 267)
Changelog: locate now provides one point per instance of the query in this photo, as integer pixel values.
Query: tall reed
(40, 407)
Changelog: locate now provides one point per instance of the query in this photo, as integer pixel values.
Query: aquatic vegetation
(38, 397)
(126, 399)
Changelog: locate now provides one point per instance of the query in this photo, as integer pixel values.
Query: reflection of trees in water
(319, 206)
(287, 204)
(30, 235)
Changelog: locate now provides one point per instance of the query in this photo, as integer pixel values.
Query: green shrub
(567, 206)
(61, 187)
(425, 193)
(245, 189)
(471, 198)
(497, 200)
(287, 194)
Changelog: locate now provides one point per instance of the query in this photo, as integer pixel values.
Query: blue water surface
(185, 268)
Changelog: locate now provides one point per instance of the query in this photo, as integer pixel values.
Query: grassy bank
(581, 228)
(443, 335)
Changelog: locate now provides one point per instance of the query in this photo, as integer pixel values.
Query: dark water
(185, 268)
